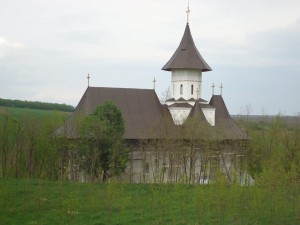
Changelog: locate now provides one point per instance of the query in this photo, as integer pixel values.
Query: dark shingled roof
(196, 112)
(191, 99)
(225, 126)
(171, 100)
(182, 105)
(146, 118)
(205, 106)
(140, 108)
(187, 55)
(181, 99)
(202, 100)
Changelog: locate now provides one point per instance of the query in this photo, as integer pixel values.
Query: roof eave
(190, 68)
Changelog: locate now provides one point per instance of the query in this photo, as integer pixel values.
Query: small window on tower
(181, 89)
(192, 89)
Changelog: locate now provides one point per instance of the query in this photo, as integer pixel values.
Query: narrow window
(192, 89)
(181, 89)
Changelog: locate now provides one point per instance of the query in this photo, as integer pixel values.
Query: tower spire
(187, 55)
(188, 13)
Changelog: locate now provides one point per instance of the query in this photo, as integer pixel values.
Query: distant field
(24, 113)
(289, 120)
(44, 202)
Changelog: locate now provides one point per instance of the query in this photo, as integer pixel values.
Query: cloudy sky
(47, 48)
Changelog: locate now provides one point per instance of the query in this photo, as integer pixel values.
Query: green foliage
(275, 148)
(103, 144)
(36, 105)
(28, 147)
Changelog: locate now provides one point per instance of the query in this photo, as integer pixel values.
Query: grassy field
(23, 113)
(43, 202)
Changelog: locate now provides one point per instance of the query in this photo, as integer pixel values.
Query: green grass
(24, 113)
(44, 202)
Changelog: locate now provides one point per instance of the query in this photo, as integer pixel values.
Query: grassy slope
(24, 113)
(43, 202)
(33, 115)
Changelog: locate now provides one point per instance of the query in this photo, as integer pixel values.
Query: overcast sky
(47, 48)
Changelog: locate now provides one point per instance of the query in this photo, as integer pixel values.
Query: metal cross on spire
(188, 12)
(213, 88)
(154, 81)
(88, 77)
(221, 88)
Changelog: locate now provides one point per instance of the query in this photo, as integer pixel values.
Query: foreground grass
(42, 202)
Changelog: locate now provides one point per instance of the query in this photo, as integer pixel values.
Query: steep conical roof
(196, 126)
(221, 110)
(187, 55)
(197, 112)
(225, 126)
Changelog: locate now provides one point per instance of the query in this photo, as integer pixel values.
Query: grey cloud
(279, 44)
(61, 38)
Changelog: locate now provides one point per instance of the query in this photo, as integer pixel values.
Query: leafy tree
(28, 147)
(102, 135)
(275, 148)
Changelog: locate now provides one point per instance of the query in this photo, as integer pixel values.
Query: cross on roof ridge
(188, 12)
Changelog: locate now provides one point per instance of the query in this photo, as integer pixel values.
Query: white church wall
(179, 114)
(209, 114)
(136, 170)
(186, 78)
(164, 163)
(162, 166)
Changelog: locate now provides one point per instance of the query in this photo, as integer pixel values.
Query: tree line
(36, 105)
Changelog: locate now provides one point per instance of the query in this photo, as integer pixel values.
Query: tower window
(192, 89)
(181, 89)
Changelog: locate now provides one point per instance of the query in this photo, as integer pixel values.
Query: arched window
(192, 89)
(181, 89)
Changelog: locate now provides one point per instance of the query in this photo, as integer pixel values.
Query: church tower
(186, 66)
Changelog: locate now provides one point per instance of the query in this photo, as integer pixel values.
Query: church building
(188, 139)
